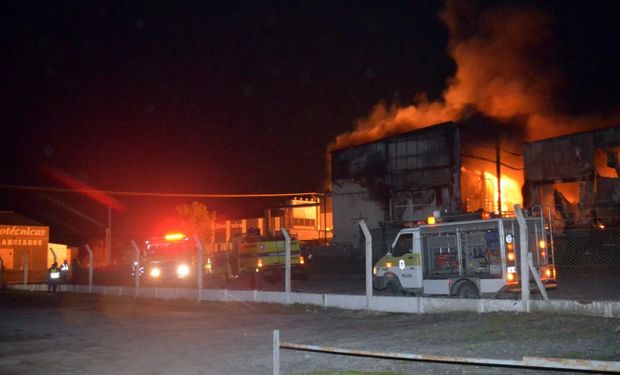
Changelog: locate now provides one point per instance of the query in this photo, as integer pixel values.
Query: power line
(153, 194)
(492, 161)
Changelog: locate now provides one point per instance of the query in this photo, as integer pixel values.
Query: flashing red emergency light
(174, 236)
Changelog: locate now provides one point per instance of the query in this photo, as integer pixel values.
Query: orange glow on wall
(479, 189)
(602, 159)
(569, 190)
(307, 211)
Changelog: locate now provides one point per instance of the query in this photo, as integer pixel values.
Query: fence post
(200, 265)
(541, 287)
(137, 264)
(287, 264)
(25, 260)
(368, 257)
(90, 268)
(276, 352)
(523, 255)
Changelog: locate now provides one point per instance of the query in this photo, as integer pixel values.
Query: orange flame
(479, 188)
(495, 76)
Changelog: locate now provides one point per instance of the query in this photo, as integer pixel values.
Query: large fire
(497, 75)
(503, 73)
(479, 189)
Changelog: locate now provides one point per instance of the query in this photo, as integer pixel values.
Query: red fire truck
(169, 258)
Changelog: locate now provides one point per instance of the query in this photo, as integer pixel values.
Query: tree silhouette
(197, 221)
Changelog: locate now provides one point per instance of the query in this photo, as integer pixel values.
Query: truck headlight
(182, 270)
(155, 272)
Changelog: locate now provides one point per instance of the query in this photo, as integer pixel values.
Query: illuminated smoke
(504, 71)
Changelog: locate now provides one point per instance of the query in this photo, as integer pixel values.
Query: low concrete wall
(307, 299)
(214, 295)
(271, 297)
(112, 290)
(413, 305)
(241, 295)
(594, 308)
(396, 304)
(498, 305)
(345, 301)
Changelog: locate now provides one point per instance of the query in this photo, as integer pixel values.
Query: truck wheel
(394, 289)
(467, 290)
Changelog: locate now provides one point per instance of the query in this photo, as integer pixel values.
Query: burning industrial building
(466, 152)
(577, 176)
(450, 167)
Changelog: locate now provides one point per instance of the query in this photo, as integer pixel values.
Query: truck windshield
(404, 245)
(177, 248)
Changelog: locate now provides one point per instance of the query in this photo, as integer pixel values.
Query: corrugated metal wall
(399, 178)
(576, 175)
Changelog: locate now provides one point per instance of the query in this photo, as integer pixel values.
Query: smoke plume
(505, 70)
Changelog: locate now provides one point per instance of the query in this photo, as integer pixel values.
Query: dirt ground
(91, 334)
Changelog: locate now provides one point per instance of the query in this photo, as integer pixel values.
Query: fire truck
(467, 259)
(169, 258)
(255, 256)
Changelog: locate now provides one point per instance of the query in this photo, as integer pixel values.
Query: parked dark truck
(467, 259)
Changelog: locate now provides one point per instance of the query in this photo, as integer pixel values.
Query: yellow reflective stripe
(410, 260)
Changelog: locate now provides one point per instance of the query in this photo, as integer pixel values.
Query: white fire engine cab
(467, 259)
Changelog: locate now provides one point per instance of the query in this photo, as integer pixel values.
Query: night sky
(232, 97)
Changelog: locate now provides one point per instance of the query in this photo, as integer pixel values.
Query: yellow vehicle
(256, 256)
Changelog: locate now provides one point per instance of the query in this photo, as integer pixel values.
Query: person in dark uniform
(53, 278)
(64, 272)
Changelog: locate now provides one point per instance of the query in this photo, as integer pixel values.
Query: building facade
(305, 219)
(23, 240)
(442, 170)
(577, 176)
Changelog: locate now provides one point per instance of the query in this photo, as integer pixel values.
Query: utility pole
(108, 238)
(498, 171)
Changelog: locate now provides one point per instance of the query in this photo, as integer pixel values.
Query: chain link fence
(587, 264)
(587, 267)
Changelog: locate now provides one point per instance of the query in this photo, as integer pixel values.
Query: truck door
(407, 259)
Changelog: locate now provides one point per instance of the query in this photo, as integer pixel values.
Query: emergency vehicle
(254, 255)
(467, 259)
(167, 258)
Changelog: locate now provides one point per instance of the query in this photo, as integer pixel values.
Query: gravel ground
(91, 334)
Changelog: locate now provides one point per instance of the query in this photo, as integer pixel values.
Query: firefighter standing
(53, 278)
(64, 272)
